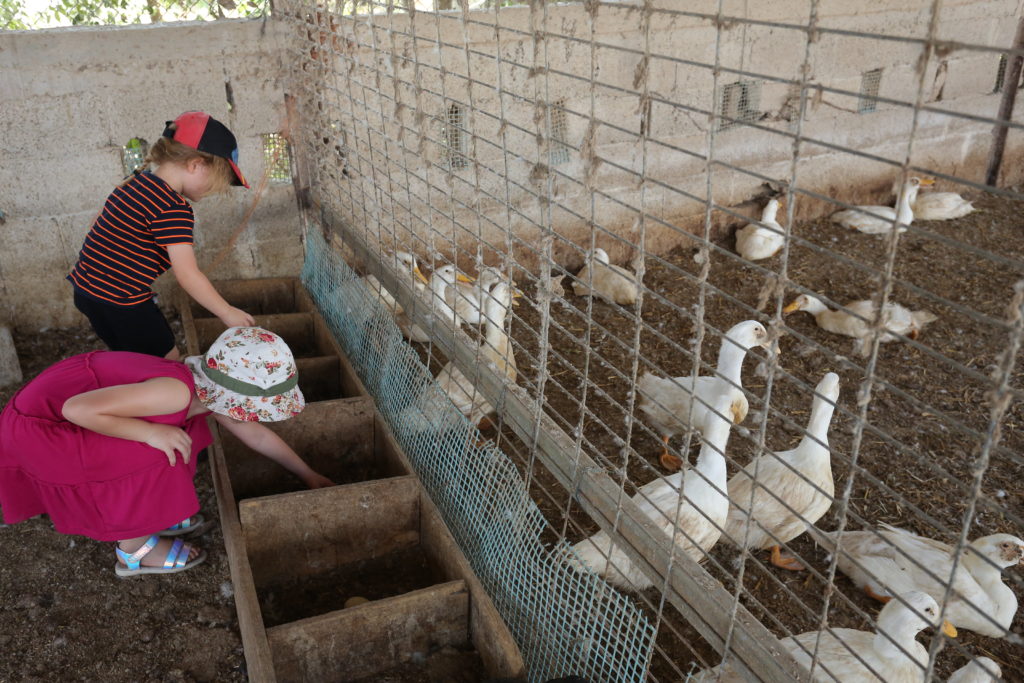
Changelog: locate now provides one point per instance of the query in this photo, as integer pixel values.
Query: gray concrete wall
(387, 95)
(71, 99)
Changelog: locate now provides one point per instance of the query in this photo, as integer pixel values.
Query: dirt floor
(64, 615)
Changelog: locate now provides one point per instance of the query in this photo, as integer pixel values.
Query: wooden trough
(297, 556)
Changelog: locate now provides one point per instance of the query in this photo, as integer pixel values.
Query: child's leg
(141, 328)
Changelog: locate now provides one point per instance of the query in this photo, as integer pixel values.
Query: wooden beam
(370, 638)
(310, 532)
(698, 596)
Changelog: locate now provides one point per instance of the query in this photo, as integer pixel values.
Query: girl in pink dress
(105, 443)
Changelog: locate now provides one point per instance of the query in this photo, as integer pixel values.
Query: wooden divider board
(297, 534)
(372, 637)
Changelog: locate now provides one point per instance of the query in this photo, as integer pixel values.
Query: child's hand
(170, 440)
(318, 481)
(236, 317)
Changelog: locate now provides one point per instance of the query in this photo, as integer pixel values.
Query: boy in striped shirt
(145, 228)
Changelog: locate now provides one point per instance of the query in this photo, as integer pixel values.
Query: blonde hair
(166, 150)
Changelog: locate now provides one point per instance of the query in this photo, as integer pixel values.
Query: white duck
(978, 670)
(845, 654)
(496, 348)
(408, 267)
(755, 242)
(666, 401)
(874, 562)
(610, 282)
(468, 299)
(877, 220)
(440, 281)
(797, 485)
(937, 206)
(941, 206)
(855, 321)
(702, 512)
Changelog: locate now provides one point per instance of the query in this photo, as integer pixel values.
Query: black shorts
(141, 328)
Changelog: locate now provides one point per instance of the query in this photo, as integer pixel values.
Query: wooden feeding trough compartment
(282, 306)
(299, 557)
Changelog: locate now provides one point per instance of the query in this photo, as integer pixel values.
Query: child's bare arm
(193, 281)
(114, 411)
(262, 440)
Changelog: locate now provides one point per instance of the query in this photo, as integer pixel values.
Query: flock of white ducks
(778, 496)
(793, 488)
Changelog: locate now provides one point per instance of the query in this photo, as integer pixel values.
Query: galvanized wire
(490, 211)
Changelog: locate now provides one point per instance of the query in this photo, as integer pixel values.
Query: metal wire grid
(870, 83)
(542, 250)
(133, 154)
(565, 622)
(277, 157)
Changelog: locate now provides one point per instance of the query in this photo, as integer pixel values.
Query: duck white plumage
(409, 269)
(440, 281)
(795, 487)
(891, 654)
(496, 348)
(978, 670)
(878, 220)
(468, 299)
(937, 206)
(667, 401)
(348, 294)
(755, 242)
(701, 514)
(610, 282)
(874, 561)
(941, 206)
(855, 321)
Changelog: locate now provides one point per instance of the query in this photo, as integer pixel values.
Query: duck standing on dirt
(700, 516)
(794, 487)
(668, 401)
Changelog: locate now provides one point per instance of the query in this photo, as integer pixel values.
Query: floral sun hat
(248, 374)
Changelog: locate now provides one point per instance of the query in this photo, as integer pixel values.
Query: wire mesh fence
(764, 365)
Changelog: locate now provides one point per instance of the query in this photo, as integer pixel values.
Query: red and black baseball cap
(203, 132)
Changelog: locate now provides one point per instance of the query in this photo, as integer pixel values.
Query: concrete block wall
(385, 88)
(72, 98)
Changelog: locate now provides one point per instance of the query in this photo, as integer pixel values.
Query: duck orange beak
(949, 629)
(461, 277)
(795, 306)
(419, 273)
(927, 181)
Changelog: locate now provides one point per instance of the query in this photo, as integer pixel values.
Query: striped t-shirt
(126, 249)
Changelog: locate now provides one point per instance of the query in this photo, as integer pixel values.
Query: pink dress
(90, 484)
